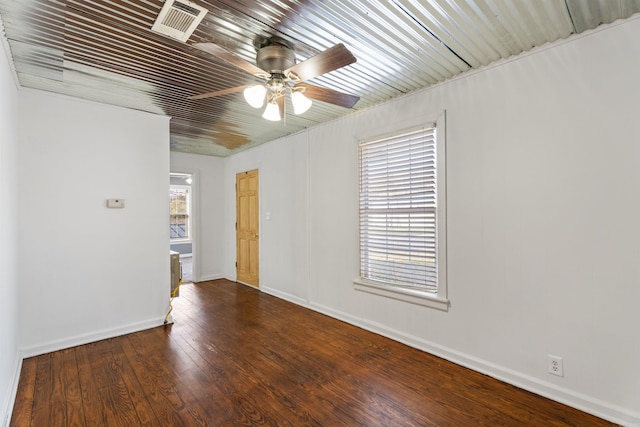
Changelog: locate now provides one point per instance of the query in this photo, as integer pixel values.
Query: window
(179, 210)
(402, 216)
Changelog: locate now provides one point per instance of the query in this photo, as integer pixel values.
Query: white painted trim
(439, 299)
(211, 277)
(285, 296)
(180, 241)
(599, 408)
(77, 340)
(413, 296)
(7, 49)
(247, 284)
(195, 222)
(7, 407)
(234, 172)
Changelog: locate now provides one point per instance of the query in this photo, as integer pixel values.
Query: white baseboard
(599, 408)
(7, 407)
(81, 339)
(210, 277)
(288, 297)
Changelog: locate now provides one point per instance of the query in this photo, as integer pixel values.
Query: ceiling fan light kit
(254, 95)
(300, 102)
(276, 63)
(272, 112)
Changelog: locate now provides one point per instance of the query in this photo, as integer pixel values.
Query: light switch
(115, 203)
(267, 216)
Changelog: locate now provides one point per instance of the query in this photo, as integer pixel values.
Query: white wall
(208, 192)
(88, 272)
(9, 354)
(543, 212)
(282, 176)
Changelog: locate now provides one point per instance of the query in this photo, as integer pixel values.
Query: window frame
(439, 299)
(188, 190)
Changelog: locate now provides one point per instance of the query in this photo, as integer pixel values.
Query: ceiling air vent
(178, 19)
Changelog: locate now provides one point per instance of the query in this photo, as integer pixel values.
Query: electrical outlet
(554, 365)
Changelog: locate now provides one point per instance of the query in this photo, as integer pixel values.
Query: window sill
(402, 294)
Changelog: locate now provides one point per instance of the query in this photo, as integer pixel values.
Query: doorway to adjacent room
(181, 221)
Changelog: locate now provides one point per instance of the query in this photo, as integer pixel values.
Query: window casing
(402, 216)
(180, 213)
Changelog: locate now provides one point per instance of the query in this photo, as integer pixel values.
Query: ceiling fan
(276, 64)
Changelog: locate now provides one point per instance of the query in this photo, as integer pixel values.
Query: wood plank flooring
(238, 357)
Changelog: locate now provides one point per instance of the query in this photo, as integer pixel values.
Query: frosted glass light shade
(254, 95)
(272, 112)
(300, 102)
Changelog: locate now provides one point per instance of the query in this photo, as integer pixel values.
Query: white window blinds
(398, 238)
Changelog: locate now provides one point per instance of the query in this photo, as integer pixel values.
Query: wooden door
(247, 215)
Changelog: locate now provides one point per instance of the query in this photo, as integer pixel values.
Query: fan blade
(331, 59)
(231, 58)
(219, 92)
(328, 95)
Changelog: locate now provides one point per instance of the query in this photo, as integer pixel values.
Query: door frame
(259, 225)
(195, 220)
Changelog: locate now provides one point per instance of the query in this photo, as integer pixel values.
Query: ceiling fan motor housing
(275, 58)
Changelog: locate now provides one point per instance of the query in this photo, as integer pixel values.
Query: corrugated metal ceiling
(104, 50)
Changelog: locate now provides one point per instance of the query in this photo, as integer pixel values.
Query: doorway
(247, 236)
(181, 221)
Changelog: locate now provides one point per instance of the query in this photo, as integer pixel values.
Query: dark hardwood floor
(238, 357)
